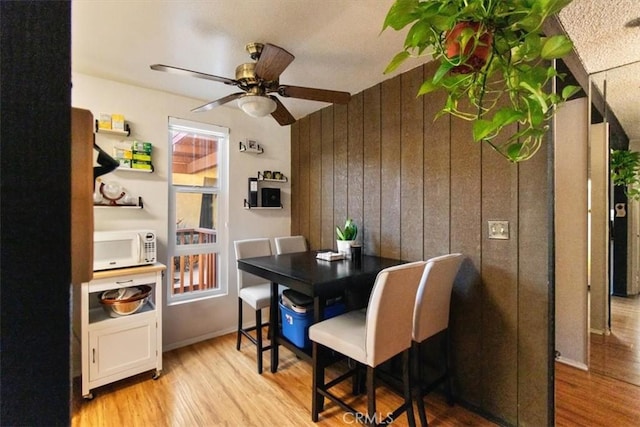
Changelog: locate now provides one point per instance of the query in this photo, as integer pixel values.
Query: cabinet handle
(126, 281)
(93, 351)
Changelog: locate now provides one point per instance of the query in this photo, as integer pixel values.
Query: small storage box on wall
(295, 326)
(271, 197)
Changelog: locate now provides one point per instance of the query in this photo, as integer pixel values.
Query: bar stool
(430, 317)
(290, 244)
(254, 292)
(370, 337)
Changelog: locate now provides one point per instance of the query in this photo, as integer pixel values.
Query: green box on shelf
(139, 164)
(142, 147)
(142, 156)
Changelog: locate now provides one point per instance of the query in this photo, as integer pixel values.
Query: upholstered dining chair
(430, 317)
(370, 337)
(290, 244)
(254, 291)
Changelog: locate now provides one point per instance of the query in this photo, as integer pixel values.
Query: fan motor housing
(245, 74)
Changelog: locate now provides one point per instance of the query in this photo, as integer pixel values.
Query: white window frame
(222, 192)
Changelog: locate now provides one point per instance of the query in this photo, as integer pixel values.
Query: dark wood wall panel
(341, 165)
(355, 160)
(418, 188)
(304, 176)
(315, 179)
(328, 233)
(411, 167)
(535, 351)
(295, 179)
(390, 168)
(437, 173)
(465, 237)
(500, 286)
(371, 158)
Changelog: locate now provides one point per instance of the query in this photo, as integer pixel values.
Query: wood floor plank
(212, 384)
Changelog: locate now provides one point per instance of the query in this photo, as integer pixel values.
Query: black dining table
(316, 278)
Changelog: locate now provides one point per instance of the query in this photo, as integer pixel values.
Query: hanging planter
(469, 43)
(494, 56)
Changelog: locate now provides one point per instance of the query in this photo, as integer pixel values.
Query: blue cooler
(295, 326)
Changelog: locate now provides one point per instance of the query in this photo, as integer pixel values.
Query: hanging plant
(494, 64)
(625, 168)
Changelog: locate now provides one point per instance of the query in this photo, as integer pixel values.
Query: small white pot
(344, 247)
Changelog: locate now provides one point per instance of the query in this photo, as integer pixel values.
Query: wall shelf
(262, 178)
(249, 149)
(136, 170)
(139, 205)
(125, 132)
(249, 207)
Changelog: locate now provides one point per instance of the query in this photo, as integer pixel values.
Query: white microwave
(125, 248)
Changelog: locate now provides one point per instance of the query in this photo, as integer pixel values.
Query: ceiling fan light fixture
(257, 105)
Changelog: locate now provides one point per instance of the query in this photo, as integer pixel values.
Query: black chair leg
(239, 338)
(449, 379)
(317, 399)
(259, 338)
(417, 364)
(371, 397)
(357, 383)
(406, 383)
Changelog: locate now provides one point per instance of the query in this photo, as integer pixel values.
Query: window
(197, 197)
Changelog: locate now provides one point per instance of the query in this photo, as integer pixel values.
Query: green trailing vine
(512, 84)
(625, 171)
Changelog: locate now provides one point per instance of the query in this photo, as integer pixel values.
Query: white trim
(573, 363)
(198, 339)
(222, 193)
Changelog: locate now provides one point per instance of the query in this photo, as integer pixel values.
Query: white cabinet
(114, 348)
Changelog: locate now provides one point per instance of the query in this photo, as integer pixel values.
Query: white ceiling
(603, 42)
(337, 44)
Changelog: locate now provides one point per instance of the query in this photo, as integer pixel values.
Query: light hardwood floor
(609, 395)
(212, 384)
(618, 354)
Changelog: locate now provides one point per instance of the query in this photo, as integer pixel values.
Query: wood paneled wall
(419, 187)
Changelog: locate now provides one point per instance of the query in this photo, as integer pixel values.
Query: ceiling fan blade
(273, 61)
(217, 102)
(312, 94)
(185, 72)
(281, 114)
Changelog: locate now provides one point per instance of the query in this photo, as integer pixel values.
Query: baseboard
(197, 339)
(573, 363)
(600, 331)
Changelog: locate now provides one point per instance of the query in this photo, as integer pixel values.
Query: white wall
(147, 111)
(571, 239)
(599, 261)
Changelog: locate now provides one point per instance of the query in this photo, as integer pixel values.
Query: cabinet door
(121, 348)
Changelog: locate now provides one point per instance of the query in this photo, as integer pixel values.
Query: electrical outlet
(499, 230)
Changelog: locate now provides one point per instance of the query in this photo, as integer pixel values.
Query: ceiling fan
(258, 80)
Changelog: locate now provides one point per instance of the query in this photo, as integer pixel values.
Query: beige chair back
(389, 317)
(433, 299)
(250, 248)
(290, 244)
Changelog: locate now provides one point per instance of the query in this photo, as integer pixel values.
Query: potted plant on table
(494, 64)
(346, 236)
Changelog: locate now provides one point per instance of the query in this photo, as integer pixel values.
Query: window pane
(192, 273)
(196, 218)
(194, 159)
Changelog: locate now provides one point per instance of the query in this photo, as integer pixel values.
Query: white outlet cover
(499, 230)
